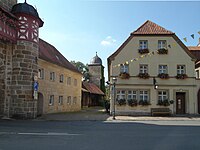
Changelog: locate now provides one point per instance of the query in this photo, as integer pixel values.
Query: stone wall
(24, 68)
(7, 4)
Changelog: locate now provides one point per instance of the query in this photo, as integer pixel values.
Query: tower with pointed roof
(96, 71)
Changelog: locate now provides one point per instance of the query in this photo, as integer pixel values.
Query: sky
(79, 29)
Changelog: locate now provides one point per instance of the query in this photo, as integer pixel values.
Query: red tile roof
(151, 28)
(51, 54)
(92, 88)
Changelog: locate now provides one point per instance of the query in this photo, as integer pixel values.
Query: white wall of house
(176, 56)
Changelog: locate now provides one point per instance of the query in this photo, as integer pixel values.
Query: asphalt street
(99, 135)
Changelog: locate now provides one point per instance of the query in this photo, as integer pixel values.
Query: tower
(24, 61)
(96, 70)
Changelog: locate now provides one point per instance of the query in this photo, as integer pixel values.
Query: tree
(83, 69)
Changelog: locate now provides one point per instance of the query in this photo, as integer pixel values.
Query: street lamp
(155, 83)
(114, 91)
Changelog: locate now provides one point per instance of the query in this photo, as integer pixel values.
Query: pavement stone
(99, 114)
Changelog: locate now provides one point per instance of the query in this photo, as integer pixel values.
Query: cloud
(108, 41)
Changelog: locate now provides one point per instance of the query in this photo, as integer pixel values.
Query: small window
(121, 94)
(52, 76)
(74, 100)
(69, 80)
(144, 95)
(69, 100)
(51, 100)
(181, 69)
(132, 95)
(75, 82)
(162, 69)
(162, 44)
(162, 95)
(143, 68)
(61, 78)
(197, 74)
(41, 73)
(143, 44)
(60, 100)
(124, 69)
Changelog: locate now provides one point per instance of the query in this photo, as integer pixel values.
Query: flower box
(163, 75)
(143, 75)
(143, 51)
(121, 102)
(132, 102)
(124, 75)
(163, 102)
(162, 51)
(144, 103)
(181, 76)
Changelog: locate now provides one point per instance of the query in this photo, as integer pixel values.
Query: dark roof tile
(92, 88)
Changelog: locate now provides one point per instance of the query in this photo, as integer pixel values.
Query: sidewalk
(99, 114)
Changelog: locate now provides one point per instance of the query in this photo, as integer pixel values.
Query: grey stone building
(19, 25)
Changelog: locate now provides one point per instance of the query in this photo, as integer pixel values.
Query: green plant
(143, 75)
(121, 101)
(162, 51)
(163, 75)
(144, 102)
(164, 102)
(143, 51)
(124, 75)
(181, 76)
(132, 102)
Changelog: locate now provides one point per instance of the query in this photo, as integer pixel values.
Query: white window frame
(52, 76)
(162, 44)
(143, 68)
(143, 44)
(144, 95)
(124, 68)
(60, 100)
(41, 73)
(69, 80)
(163, 95)
(51, 100)
(162, 69)
(181, 69)
(132, 94)
(121, 94)
(61, 78)
(69, 98)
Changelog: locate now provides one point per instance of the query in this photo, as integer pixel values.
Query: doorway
(40, 104)
(180, 103)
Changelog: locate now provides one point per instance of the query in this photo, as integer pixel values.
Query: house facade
(59, 82)
(154, 69)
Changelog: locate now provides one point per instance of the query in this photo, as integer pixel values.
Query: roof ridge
(150, 27)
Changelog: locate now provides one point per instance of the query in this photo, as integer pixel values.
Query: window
(124, 69)
(52, 76)
(132, 95)
(41, 73)
(121, 94)
(143, 44)
(197, 74)
(51, 100)
(69, 81)
(69, 100)
(162, 69)
(61, 78)
(181, 69)
(162, 95)
(143, 68)
(75, 82)
(60, 100)
(74, 100)
(144, 95)
(162, 44)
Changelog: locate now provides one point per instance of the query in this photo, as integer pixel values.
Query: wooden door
(180, 103)
(40, 104)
